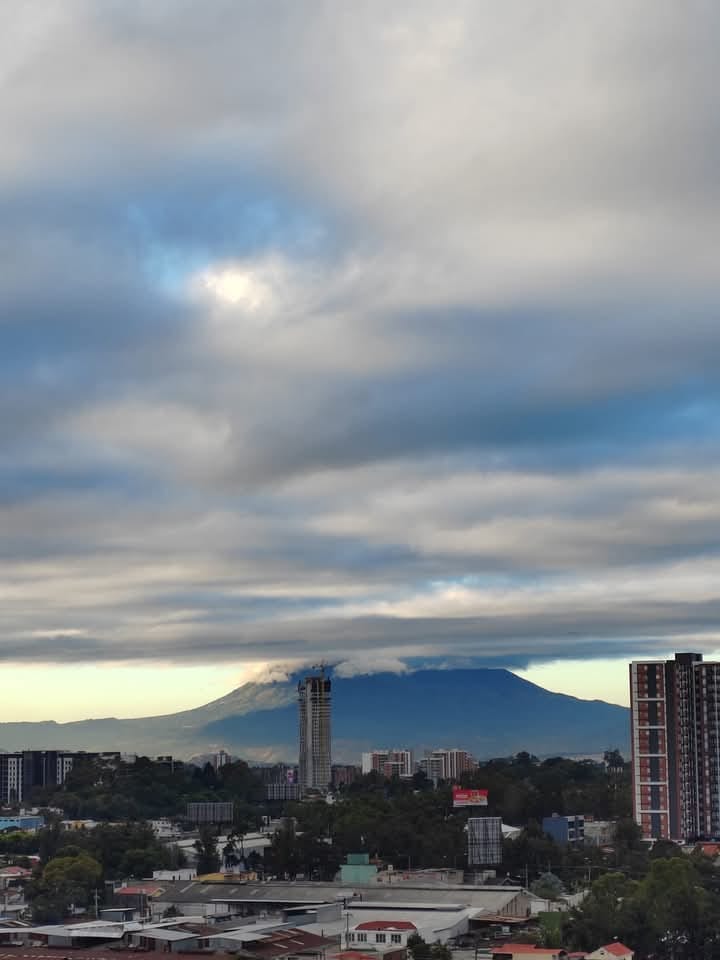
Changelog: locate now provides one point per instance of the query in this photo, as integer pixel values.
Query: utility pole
(97, 911)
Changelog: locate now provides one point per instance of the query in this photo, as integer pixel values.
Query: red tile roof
(354, 955)
(710, 849)
(617, 949)
(528, 948)
(386, 925)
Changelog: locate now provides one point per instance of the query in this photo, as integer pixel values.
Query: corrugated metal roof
(490, 899)
(168, 934)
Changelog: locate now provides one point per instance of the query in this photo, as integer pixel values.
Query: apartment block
(675, 717)
(447, 764)
(390, 763)
(25, 770)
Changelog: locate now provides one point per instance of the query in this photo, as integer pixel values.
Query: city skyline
(373, 334)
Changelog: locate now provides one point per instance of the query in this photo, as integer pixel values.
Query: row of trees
(145, 790)
(74, 864)
(524, 788)
(672, 912)
(411, 824)
(521, 788)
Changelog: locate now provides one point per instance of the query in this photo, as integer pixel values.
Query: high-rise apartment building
(25, 770)
(314, 716)
(447, 764)
(675, 716)
(390, 763)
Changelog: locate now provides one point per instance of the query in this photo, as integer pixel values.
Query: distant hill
(488, 712)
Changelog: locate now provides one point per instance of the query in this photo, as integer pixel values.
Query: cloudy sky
(383, 333)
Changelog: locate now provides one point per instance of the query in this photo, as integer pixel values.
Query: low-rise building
(357, 869)
(565, 830)
(29, 823)
(13, 876)
(181, 873)
(612, 951)
(392, 953)
(527, 951)
(381, 933)
(599, 833)
(231, 898)
(165, 829)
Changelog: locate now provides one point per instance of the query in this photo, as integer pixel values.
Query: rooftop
(529, 948)
(421, 897)
(91, 953)
(386, 925)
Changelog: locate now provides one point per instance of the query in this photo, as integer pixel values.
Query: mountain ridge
(490, 712)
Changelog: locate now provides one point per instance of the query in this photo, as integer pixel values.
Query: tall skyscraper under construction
(675, 711)
(314, 715)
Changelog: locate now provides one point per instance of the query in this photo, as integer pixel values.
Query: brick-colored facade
(675, 707)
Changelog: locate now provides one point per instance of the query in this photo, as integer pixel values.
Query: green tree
(665, 850)
(138, 863)
(440, 951)
(418, 948)
(628, 835)
(230, 855)
(679, 916)
(551, 928)
(548, 886)
(206, 846)
(284, 853)
(65, 882)
(605, 914)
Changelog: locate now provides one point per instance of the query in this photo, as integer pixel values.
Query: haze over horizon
(380, 334)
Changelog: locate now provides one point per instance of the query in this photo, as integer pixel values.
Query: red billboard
(469, 798)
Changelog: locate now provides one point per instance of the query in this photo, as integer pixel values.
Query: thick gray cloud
(326, 328)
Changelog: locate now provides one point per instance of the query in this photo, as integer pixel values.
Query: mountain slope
(489, 712)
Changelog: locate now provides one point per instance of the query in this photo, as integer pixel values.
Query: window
(395, 938)
(351, 937)
(361, 938)
(379, 938)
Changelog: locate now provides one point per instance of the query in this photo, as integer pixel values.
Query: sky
(384, 334)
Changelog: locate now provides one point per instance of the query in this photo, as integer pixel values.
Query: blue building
(22, 822)
(565, 830)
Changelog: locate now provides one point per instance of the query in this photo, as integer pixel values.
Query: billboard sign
(484, 841)
(469, 798)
